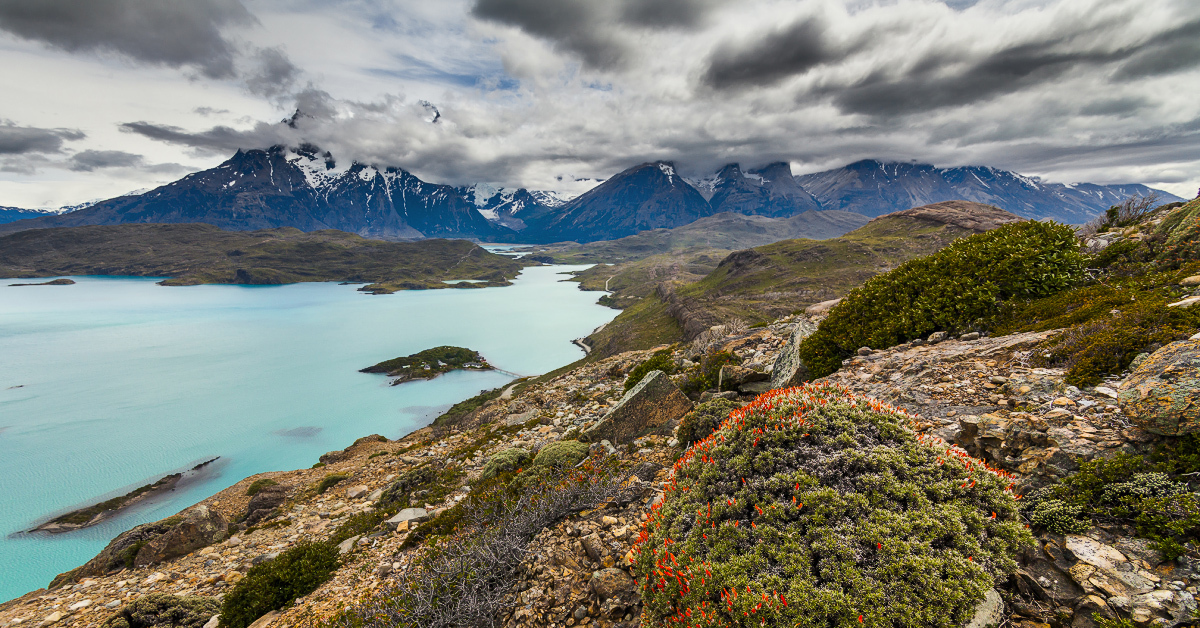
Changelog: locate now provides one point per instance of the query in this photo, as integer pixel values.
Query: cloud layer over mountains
(537, 93)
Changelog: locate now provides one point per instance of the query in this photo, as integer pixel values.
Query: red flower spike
(860, 619)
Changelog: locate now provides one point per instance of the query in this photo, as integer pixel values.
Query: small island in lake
(97, 513)
(430, 363)
(53, 282)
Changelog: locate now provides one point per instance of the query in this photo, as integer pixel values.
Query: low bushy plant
(703, 420)
(660, 361)
(813, 508)
(467, 579)
(274, 584)
(329, 481)
(1125, 488)
(1107, 322)
(160, 610)
(505, 461)
(957, 289)
(563, 453)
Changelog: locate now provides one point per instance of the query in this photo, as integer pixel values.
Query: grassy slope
(777, 279)
(196, 254)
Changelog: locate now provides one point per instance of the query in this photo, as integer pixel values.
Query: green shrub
(705, 375)
(703, 420)
(160, 610)
(329, 481)
(1059, 517)
(436, 480)
(272, 585)
(259, 485)
(957, 289)
(660, 361)
(1092, 350)
(505, 461)
(813, 508)
(1108, 322)
(561, 454)
(1128, 489)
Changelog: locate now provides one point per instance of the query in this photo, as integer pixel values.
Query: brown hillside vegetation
(764, 283)
(193, 254)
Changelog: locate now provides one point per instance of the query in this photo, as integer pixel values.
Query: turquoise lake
(114, 382)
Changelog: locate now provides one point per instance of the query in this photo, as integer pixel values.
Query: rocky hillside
(300, 188)
(766, 282)
(874, 188)
(573, 499)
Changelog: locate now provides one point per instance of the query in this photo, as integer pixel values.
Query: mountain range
(307, 189)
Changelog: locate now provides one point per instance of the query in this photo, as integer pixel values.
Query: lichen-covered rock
(650, 406)
(265, 502)
(733, 376)
(789, 369)
(201, 527)
(1162, 395)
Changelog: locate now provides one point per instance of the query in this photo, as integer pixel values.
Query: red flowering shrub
(810, 508)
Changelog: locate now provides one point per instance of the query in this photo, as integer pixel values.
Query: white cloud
(1099, 90)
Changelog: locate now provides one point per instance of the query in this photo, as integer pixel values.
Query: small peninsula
(96, 513)
(53, 282)
(430, 363)
(192, 254)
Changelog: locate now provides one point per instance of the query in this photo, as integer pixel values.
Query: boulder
(611, 582)
(264, 503)
(789, 369)
(355, 492)
(654, 405)
(415, 515)
(822, 308)
(989, 612)
(1162, 395)
(733, 377)
(754, 388)
(1188, 282)
(936, 337)
(200, 527)
(593, 546)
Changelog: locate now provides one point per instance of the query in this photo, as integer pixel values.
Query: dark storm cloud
(19, 140)
(789, 52)
(89, 160)
(665, 13)
(592, 30)
(570, 24)
(271, 73)
(170, 33)
(217, 140)
(1174, 50)
(948, 75)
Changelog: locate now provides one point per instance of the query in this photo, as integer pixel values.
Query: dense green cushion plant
(272, 585)
(813, 508)
(956, 289)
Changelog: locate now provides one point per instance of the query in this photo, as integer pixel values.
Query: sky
(104, 97)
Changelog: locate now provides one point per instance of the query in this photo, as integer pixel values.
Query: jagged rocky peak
(767, 191)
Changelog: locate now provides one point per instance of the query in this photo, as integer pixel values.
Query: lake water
(113, 382)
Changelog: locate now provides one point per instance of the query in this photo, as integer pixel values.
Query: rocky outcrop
(1162, 395)
(654, 404)
(201, 527)
(265, 502)
(733, 377)
(1081, 577)
(789, 369)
